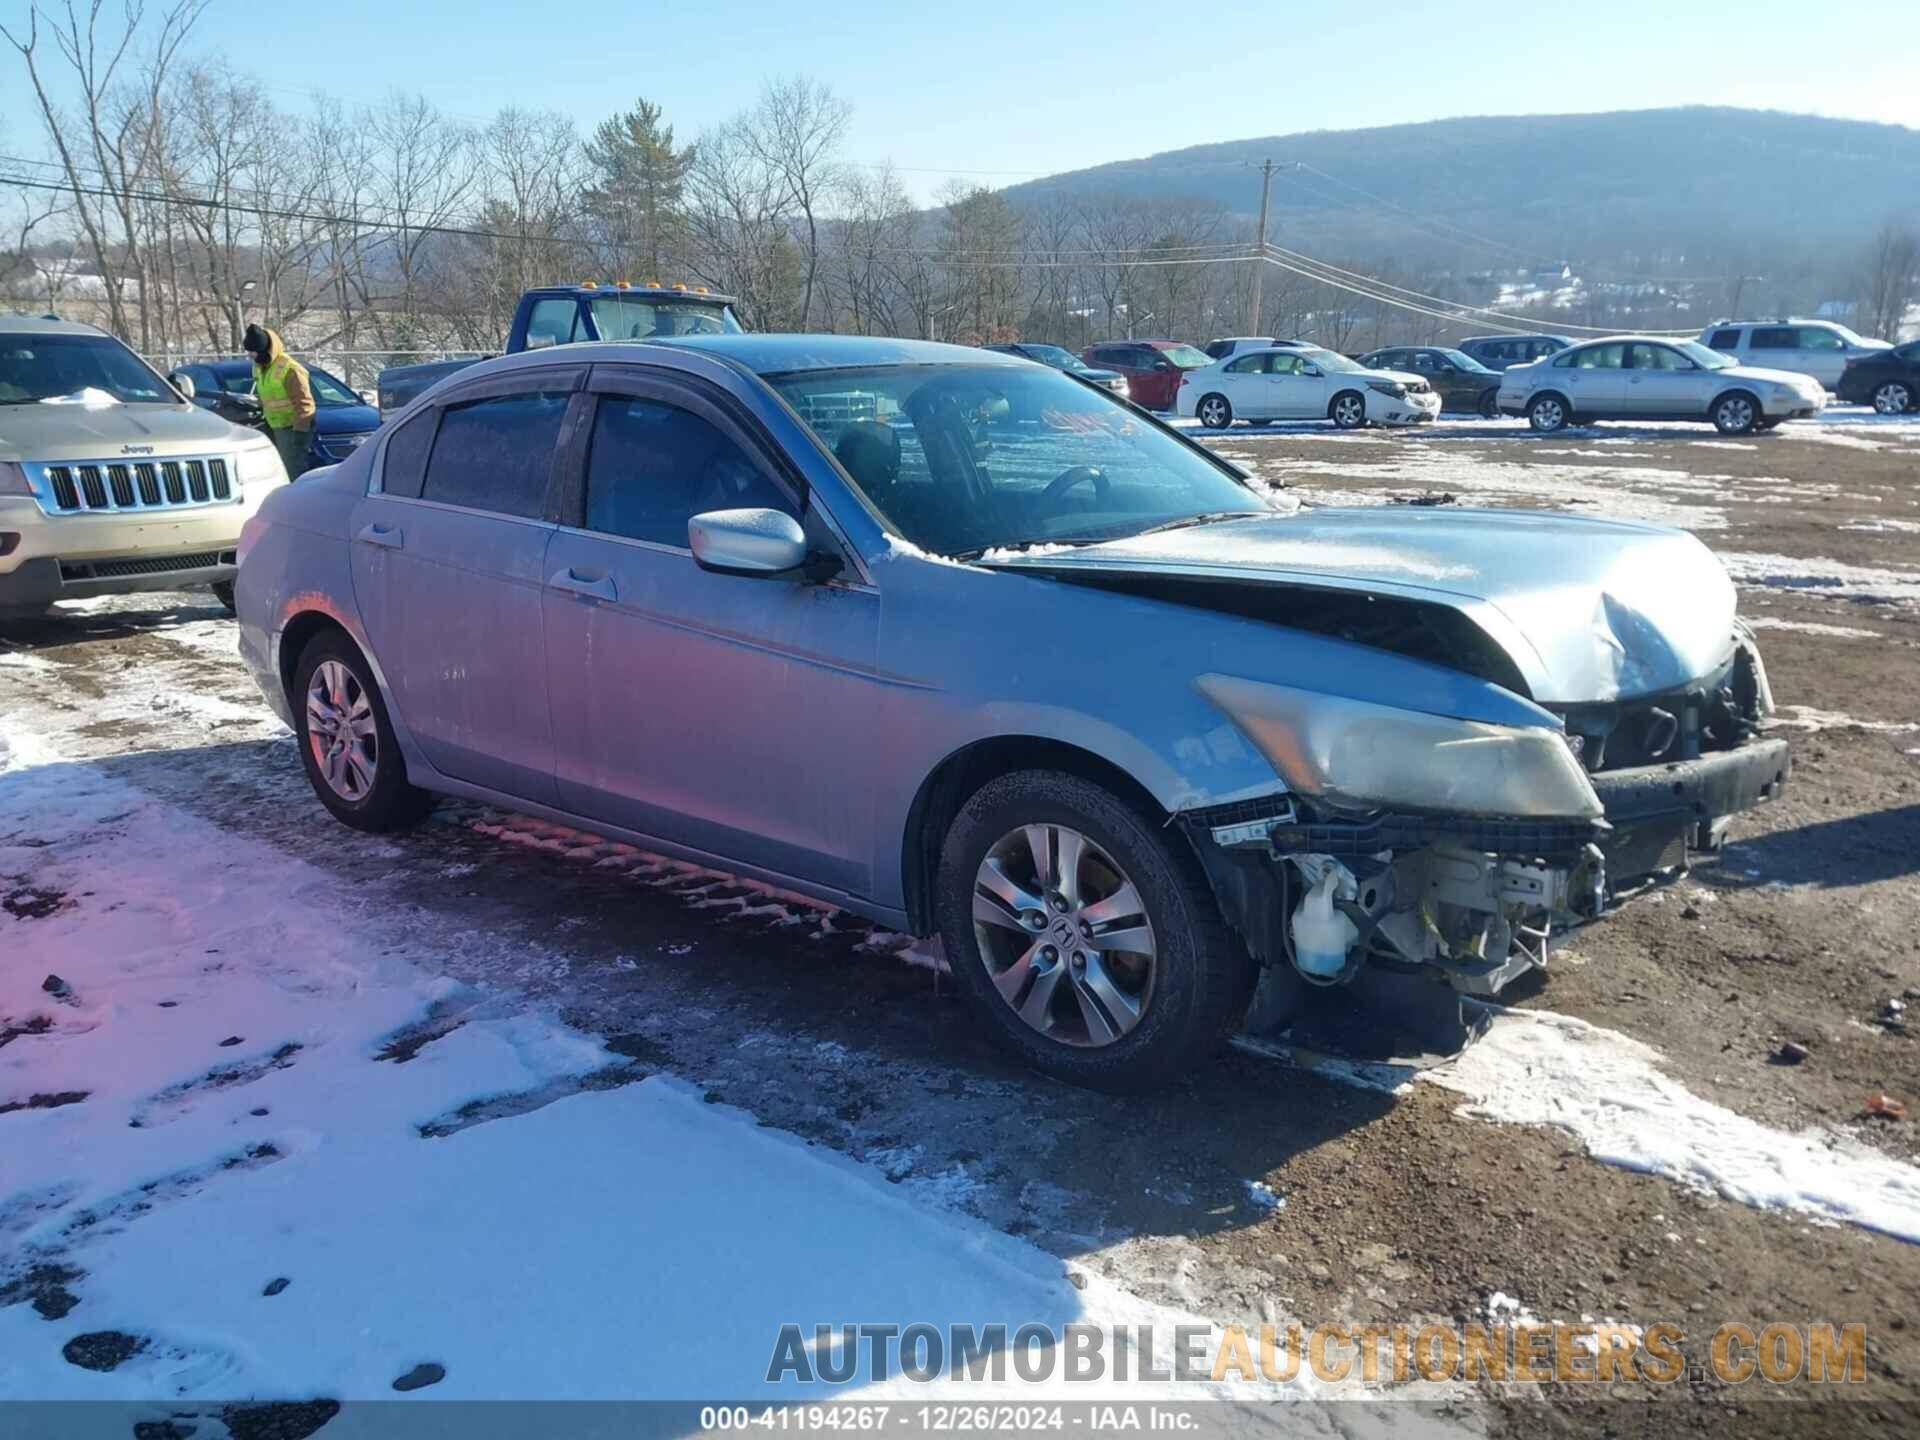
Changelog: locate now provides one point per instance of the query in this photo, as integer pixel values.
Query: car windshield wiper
(1205, 517)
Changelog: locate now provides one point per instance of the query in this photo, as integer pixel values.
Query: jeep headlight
(260, 465)
(1361, 756)
(13, 479)
(1389, 387)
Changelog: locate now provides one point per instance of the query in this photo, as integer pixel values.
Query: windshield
(1055, 356)
(1703, 357)
(1187, 357)
(48, 367)
(1466, 362)
(635, 317)
(328, 392)
(962, 459)
(1330, 361)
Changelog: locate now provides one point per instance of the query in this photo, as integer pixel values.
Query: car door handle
(387, 536)
(591, 587)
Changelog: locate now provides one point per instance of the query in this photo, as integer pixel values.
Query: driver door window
(552, 322)
(652, 467)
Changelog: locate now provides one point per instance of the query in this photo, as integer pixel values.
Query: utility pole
(1267, 167)
(1260, 248)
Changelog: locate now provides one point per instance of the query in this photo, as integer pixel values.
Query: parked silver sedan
(1647, 378)
(962, 645)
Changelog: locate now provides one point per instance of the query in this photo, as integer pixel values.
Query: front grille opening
(149, 483)
(131, 485)
(120, 479)
(65, 497)
(218, 470)
(197, 479)
(93, 487)
(176, 488)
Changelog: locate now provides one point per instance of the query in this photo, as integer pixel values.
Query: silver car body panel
(786, 730)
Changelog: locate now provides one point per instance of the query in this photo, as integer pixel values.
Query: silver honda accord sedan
(967, 646)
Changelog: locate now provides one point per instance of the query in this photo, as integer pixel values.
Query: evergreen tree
(636, 198)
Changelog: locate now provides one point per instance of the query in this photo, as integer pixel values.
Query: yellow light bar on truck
(589, 285)
(621, 285)
(679, 287)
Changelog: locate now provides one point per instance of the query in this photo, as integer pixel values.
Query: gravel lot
(1397, 1207)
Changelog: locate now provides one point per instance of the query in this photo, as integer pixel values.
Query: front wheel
(223, 592)
(1085, 938)
(1214, 412)
(1548, 413)
(346, 740)
(1349, 410)
(1893, 398)
(1737, 413)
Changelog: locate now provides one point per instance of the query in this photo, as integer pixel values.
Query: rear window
(494, 454)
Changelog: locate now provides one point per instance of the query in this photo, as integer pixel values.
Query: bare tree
(423, 171)
(795, 132)
(106, 149)
(1892, 278)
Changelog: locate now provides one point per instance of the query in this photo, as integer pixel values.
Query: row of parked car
(1741, 376)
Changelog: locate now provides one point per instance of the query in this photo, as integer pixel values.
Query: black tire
(1201, 978)
(223, 592)
(1736, 413)
(389, 802)
(1490, 405)
(1215, 411)
(1548, 413)
(1348, 417)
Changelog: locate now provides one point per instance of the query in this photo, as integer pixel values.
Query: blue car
(955, 642)
(342, 421)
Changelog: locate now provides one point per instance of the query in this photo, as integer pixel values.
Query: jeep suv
(110, 479)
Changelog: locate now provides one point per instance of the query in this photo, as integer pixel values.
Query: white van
(1820, 348)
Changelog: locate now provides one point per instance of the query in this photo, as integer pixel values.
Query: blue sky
(1005, 90)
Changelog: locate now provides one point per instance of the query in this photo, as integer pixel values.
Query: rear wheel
(1348, 410)
(1490, 405)
(346, 740)
(223, 592)
(1736, 413)
(1085, 938)
(1548, 413)
(1214, 412)
(1893, 398)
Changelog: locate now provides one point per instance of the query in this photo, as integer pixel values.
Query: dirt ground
(1397, 1208)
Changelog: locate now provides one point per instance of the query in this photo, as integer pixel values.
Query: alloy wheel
(1548, 414)
(341, 733)
(1349, 412)
(1064, 935)
(1213, 413)
(1735, 415)
(1892, 398)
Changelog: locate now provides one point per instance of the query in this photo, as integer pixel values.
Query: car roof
(643, 292)
(45, 325)
(763, 354)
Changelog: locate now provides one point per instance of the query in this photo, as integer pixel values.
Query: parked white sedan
(1303, 384)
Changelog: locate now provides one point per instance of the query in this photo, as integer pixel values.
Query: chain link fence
(359, 370)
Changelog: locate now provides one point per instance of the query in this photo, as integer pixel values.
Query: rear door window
(652, 467)
(1775, 337)
(404, 465)
(1255, 364)
(1724, 340)
(495, 454)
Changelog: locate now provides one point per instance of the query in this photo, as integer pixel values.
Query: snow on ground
(1833, 579)
(1537, 1068)
(239, 1078)
(1811, 627)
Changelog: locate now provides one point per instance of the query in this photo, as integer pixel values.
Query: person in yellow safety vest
(285, 394)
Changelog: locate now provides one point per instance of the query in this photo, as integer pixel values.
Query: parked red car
(1152, 367)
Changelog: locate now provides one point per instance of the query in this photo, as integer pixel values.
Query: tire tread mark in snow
(175, 1100)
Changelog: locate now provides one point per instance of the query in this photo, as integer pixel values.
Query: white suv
(110, 480)
(1818, 348)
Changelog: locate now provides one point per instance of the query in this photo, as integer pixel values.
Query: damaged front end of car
(1433, 849)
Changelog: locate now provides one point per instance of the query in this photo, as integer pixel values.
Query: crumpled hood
(1588, 610)
(52, 434)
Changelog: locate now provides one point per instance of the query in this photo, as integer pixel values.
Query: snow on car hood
(55, 433)
(1588, 610)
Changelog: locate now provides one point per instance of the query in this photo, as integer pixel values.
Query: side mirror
(183, 382)
(369, 397)
(1163, 364)
(747, 542)
(1313, 370)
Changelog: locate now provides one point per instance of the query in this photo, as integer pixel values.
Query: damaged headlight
(1358, 755)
